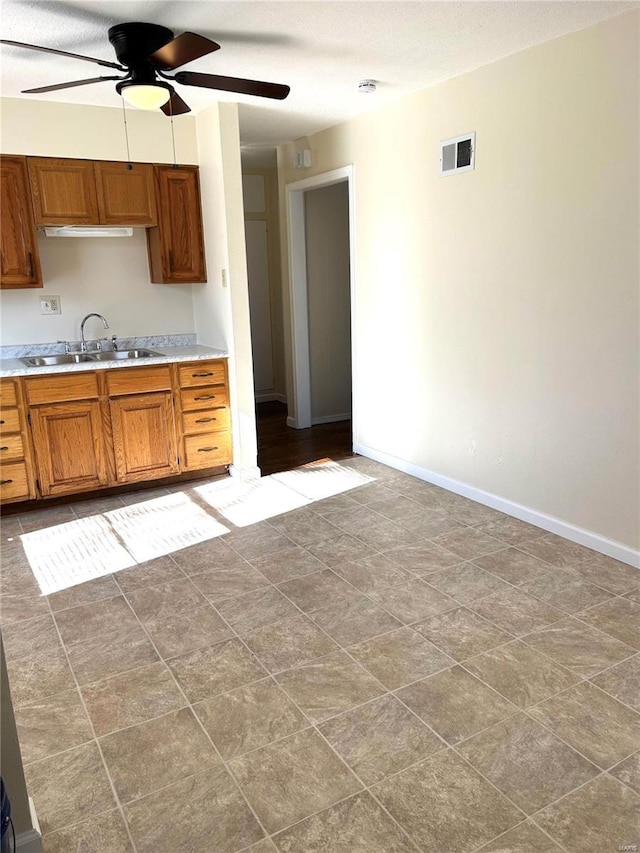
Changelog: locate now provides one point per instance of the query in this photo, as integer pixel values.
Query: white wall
(497, 310)
(328, 301)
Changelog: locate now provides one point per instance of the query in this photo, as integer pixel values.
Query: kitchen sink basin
(66, 358)
(117, 355)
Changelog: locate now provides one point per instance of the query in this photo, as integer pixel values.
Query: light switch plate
(50, 305)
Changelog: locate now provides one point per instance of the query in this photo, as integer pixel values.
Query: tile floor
(393, 669)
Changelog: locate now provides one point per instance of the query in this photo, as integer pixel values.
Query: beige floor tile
(303, 526)
(513, 565)
(526, 762)
(40, 674)
(628, 771)
(355, 520)
(467, 582)
(354, 620)
(608, 573)
(208, 671)
(289, 643)
(467, 511)
(578, 647)
(400, 657)
(469, 543)
(424, 558)
(183, 632)
(461, 633)
(591, 721)
(208, 556)
(250, 717)
(388, 535)
(620, 618)
(218, 584)
(371, 492)
(84, 593)
(103, 834)
(511, 530)
(557, 551)
(565, 591)
(201, 814)
(165, 599)
(131, 698)
(329, 686)
(517, 612)
(151, 755)
(357, 825)
(30, 636)
(82, 623)
(51, 516)
(15, 607)
(525, 838)
(335, 503)
(380, 738)
(264, 846)
(445, 805)
(633, 596)
(160, 570)
(521, 674)
(294, 778)
(110, 653)
(258, 540)
(455, 704)
(286, 565)
(413, 601)
(602, 815)
(51, 725)
(622, 681)
(69, 788)
(254, 610)
(398, 508)
(321, 589)
(434, 523)
(372, 573)
(340, 549)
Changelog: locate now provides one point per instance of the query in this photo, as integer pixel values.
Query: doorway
(320, 214)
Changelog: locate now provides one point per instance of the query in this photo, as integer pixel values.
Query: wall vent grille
(458, 154)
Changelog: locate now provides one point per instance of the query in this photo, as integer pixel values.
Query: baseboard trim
(329, 419)
(291, 422)
(270, 397)
(29, 842)
(588, 538)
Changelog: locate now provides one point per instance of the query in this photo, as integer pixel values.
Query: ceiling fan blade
(70, 85)
(102, 62)
(175, 106)
(233, 84)
(182, 49)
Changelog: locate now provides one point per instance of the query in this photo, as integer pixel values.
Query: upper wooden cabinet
(63, 191)
(20, 262)
(176, 246)
(84, 192)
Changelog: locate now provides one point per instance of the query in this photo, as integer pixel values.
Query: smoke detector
(367, 86)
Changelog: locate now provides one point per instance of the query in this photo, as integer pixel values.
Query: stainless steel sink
(117, 355)
(66, 358)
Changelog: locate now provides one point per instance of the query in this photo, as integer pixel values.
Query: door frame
(300, 411)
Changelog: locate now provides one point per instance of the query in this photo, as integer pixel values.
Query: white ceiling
(321, 49)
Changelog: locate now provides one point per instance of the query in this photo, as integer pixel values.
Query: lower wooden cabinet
(144, 437)
(16, 476)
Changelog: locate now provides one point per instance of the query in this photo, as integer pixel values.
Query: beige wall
(497, 310)
(328, 301)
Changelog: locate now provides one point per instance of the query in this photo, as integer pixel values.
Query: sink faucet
(83, 343)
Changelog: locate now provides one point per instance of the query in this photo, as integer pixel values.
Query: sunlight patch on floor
(244, 503)
(320, 480)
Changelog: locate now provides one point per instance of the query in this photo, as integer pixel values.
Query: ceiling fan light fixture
(146, 96)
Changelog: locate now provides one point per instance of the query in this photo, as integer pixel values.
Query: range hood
(87, 231)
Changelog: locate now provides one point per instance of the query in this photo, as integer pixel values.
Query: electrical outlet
(50, 305)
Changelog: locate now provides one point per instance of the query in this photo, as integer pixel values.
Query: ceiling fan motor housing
(135, 42)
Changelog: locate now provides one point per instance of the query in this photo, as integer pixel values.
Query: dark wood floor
(281, 448)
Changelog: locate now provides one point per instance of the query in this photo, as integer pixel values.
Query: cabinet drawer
(212, 420)
(7, 394)
(202, 373)
(207, 451)
(139, 380)
(11, 447)
(62, 387)
(13, 481)
(204, 398)
(9, 421)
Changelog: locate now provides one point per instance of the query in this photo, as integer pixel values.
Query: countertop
(169, 354)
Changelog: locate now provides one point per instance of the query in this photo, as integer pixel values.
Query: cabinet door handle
(31, 269)
(199, 421)
(6, 447)
(205, 397)
(206, 449)
(202, 374)
(1, 422)
(5, 482)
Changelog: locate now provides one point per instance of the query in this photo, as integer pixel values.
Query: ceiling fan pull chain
(126, 135)
(173, 135)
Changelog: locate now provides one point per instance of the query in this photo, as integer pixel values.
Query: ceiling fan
(146, 52)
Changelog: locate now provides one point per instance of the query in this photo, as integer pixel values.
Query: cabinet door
(144, 437)
(70, 453)
(63, 191)
(176, 246)
(20, 265)
(126, 193)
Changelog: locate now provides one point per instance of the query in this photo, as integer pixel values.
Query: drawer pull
(205, 397)
(5, 482)
(206, 449)
(6, 447)
(1, 422)
(31, 268)
(202, 374)
(199, 421)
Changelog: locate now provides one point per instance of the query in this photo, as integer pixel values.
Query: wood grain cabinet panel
(69, 445)
(63, 191)
(176, 246)
(144, 437)
(16, 479)
(20, 260)
(203, 373)
(126, 193)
